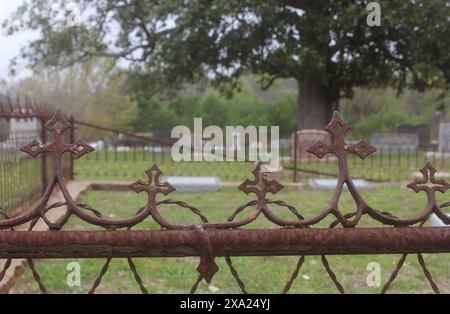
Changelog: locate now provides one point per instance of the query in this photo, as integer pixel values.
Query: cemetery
(238, 147)
(212, 193)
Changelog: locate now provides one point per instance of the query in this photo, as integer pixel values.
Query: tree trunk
(316, 104)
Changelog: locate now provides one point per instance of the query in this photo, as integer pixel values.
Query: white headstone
(23, 126)
(330, 184)
(437, 222)
(393, 142)
(195, 184)
(444, 137)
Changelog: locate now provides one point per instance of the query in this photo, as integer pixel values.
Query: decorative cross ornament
(57, 126)
(339, 128)
(428, 182)
(153, 186)
(261, 185)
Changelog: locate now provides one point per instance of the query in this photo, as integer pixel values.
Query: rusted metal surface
(212, 240)
(150, 139)
(16, 109)
(181, 243)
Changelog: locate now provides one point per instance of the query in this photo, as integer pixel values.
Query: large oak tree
(326, 46)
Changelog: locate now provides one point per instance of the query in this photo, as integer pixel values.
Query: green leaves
(179, 41)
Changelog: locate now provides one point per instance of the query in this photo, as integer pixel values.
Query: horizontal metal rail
(182, 243)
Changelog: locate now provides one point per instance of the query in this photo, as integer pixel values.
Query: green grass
(128, 166)
(110, 165)
(260, 274)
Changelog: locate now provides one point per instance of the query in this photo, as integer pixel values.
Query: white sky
(10, 46)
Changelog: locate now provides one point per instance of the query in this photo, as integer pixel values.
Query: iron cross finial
(153, 185)
(261, 185)
(57, 126)
(339, 128)
(428, 182)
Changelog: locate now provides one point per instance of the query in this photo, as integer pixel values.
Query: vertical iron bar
(72, 140)
(44, 179)
(295, 155)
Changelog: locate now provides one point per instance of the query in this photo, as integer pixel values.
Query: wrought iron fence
(382, 166)
(228, 239)
(23, 179)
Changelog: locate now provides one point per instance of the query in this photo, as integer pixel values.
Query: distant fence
(383, 165)
(120, 155)
(20, 176)
(23, 179)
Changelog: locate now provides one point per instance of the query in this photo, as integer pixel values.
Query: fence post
(44, 179)
(295, 155)
(72, 140)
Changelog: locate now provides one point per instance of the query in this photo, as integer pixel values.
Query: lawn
(131, 165)
(260, 274)
(119, 165)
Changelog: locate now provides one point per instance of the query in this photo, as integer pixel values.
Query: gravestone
(444, 137)
(29, 126)
(394, 143)
(437, 222)
(305, 140)
(404, 128)
(422, 130)
(330, 184)
(194, 184)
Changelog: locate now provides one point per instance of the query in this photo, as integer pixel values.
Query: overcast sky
(10, 46)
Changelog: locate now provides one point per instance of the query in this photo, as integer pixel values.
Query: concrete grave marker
(444, 137)
(194, 184)
(330, 184)
(423, 132)
(394, 143)
(437, 222)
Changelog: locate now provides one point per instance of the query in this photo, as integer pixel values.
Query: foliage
(245, 108)
(380, 110)
(385, 122)
(177, 41)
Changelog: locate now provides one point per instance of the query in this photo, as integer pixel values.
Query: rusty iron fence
(382, 166)
(21, 177)
(24, 179)
(228, 239)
